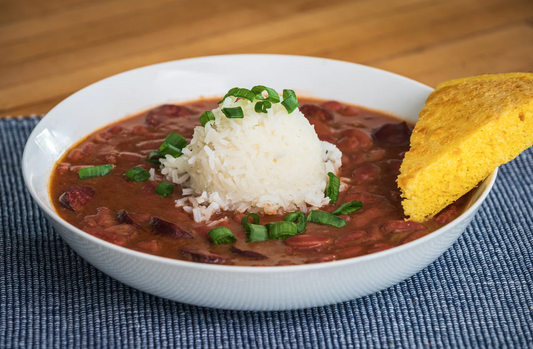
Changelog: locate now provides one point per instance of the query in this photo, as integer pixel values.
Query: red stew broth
(372, 166)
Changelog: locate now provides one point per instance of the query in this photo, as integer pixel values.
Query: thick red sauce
(372, 154)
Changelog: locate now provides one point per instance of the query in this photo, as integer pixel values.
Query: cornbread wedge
(467, 128)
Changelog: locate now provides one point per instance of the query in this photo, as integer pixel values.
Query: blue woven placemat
(478, 294)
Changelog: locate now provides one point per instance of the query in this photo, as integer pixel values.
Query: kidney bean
(105, 217)
(168, 229)
(332, 105)
(139, 130)
(414, 236)
(322, 259)
(76, 155)
(149, 245)
(75, 198)
(402, 226)
(368, 156)
(349, 252)
(102, 137)
(320, 128)
(307, 241)
(378, 247)
(350, 110)
(62, 168)
(313, 111)
(105, 235)
(350, 238)
(115, 129)
(111, 159)
(122, 229)
(392, 134)
(248, 254)
(202, 256)
(367, 172)
(447, 215)
(361, 219)
(285, 262)
(124, 217)
(87, 148)
(364, 140)
(154, 116)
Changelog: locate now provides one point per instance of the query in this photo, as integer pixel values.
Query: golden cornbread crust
(467, 128)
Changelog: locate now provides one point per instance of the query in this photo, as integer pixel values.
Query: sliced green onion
(154, 157)
(290, 103)
(233, 113)
(255, 232)
(246, 219)
(299, 218)
(273, 96)
(261, 107)
(239, 92)
(206, 117)
(169, 149)
(164, 189)
(288, 93)
(221, 235)
(320, 217)
(282, 230)
(348, 207)
(138, 174)
(332, 192)
(95, 171)
(176, 140)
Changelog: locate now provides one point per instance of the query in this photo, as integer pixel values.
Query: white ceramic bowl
(232, 287)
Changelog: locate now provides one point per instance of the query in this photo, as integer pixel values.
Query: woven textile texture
(478, 294)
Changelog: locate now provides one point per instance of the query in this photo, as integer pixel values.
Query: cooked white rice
(264, 162)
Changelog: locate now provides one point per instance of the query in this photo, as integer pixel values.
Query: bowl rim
(233, 268)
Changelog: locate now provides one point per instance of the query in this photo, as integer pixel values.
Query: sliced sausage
(75, 198)
(248, 254)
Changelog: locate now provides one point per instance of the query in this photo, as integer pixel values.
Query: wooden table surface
(49, 49)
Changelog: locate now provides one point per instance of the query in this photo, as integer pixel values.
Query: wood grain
(50, 49)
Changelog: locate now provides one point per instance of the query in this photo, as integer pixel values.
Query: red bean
(368, 156)
(361, 219)
(400, 226)
(447, 215)
(76, 155)
(124, 217)
(313, 111)
(350, 238)
(332, 105)
(105, 217)
(364, 140)
(122, 229)
(248, 254)
(392, 134)
(414, 236)
(378, 247)
(350, 110)
(110, 159)
(63, 167)
(102, 137)
(368, 172)
(349, 252)
(307, 241)
(149, 245)
(75, 198)
(320, 128)
(322, 259)
(139, 130)
(87, 148)
(167, 110)
(348, 144)
(285, 262)
(107, 236)
(168, 229)
(115, 129)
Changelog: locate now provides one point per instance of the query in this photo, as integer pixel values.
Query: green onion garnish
(299, 218)
(239, 92)
(164, 189)
(206, 117)
(221, 235)
(169, 149)
(154, 157)
(332, 192)
(246, 219)
(282, 230)
(273, 96)
(320, 217)
(261, 107)
(233, 113)
(95, 171)
(290, 101)
(255, 232)
(138, 174)
(348, 207)
(176, 140)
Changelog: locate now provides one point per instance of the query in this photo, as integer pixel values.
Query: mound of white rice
(264, 162)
